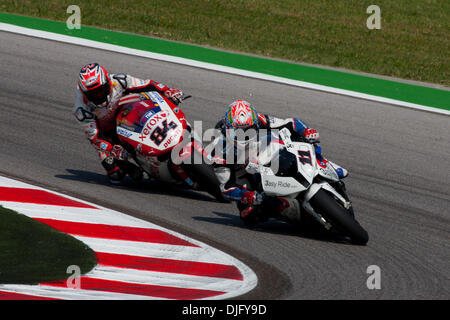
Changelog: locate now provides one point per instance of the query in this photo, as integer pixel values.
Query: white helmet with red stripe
(94, 83)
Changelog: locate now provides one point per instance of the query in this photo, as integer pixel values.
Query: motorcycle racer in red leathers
(96, 107)
(252, 205)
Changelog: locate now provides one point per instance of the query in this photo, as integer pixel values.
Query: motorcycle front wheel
(341, 220)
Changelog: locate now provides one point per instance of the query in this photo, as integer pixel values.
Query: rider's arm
(89, 124)
(293, 125)
(135, 85)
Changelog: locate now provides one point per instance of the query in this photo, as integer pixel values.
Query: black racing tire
(341, 220)
(205, 176)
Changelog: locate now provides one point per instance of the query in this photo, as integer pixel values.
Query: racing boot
(278, 208)
(251, 215)
(113, 171)
(248, 216)
(135, 172)
(289, 208)
(181, 174)
(340, 171)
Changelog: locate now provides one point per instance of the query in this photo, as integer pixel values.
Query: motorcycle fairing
(151, 126)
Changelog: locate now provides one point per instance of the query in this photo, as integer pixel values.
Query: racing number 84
(160, 133)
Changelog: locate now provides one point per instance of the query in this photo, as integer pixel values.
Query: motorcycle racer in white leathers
(241, 115)
(96, 105)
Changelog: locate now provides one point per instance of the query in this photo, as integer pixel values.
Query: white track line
(71, 294)
(71, 214)
(209, 66)
(155, 250)
(164, 279)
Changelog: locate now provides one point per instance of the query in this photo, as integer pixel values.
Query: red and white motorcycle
(151, 128)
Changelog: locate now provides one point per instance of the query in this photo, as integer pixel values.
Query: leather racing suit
(99, 124)
(232, 176)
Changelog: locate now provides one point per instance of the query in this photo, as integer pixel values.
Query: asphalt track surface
(398, 161)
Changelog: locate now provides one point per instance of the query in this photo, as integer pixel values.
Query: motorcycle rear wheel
(205, 176)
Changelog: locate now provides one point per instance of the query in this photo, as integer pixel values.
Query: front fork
(337, 190)
(340, 188)
(310, 210)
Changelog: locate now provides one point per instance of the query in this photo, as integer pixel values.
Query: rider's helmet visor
(99, 95)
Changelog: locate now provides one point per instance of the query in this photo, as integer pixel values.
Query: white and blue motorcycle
(315, 185)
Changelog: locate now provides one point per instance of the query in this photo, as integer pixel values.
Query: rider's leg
(248, 214)
(135, 172)
(280, 206)
(271, 207)
(181, 174)
(116, 170)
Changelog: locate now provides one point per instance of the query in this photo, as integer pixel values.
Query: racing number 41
(160, 133)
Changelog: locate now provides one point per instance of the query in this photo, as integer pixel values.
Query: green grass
(413, 42)
(32, 252)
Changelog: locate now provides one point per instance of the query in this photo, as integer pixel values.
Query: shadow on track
(309, 230)
(148, 186)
